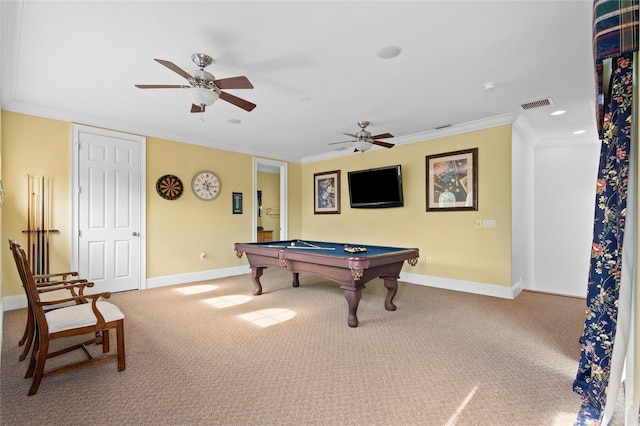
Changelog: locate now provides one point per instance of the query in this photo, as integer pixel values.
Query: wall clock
(205, 185)
(169, 187)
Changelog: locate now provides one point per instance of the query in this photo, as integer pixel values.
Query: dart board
(169, 187)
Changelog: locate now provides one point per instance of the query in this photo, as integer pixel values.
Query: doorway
(276, 167)
(108, 208)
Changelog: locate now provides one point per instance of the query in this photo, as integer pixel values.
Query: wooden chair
(96, 318)
(51, 287)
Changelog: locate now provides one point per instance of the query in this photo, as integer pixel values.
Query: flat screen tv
(376, 188)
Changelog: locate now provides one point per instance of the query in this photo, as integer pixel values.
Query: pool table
(349, 265)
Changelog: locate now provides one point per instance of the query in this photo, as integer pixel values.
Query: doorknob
(135, 234)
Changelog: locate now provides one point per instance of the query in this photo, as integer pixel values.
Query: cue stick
(47, 224)
(42, 226)
(302, 248)
(309, 244)
(37, 230)
(29, 215)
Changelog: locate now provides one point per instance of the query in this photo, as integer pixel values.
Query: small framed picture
(237, 202)
(452, 181)
(326, 192)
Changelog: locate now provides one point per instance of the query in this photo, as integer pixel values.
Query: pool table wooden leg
(392, 289)
(353, 299)
(296, 280)
(256, 273)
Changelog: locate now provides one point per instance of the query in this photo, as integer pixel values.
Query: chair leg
(39, 370)
(28, 338)
(105, 341)
(26, 329)
(120, 342)
(34, 355)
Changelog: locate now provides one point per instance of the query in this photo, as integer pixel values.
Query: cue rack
(38, 223)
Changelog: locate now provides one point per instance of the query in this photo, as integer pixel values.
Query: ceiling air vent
(444, 126)
(537, 104)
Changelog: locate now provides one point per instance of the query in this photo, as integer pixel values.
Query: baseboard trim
(485, 289)
(196, 276)
(10, 303)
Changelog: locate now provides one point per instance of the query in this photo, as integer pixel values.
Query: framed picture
(237, 202)
(259, 197)
(326, 192)
(452, 181)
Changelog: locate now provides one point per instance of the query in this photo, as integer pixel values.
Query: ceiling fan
(203, 88)
(363, 139)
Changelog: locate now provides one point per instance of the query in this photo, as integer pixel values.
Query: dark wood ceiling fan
(203, 87)
(363, 139)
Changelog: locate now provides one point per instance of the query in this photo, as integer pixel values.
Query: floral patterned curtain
(615, 32)
(615, 37)
(603, 288)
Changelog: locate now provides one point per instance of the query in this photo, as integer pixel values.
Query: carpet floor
(210, 353)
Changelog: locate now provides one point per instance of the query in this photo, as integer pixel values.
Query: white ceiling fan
(363, 139)
(203, 87)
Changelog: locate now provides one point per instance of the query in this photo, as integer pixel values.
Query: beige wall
(294, 194)
(178, 231)
(1, 211)
(457, 247)
(37, 147)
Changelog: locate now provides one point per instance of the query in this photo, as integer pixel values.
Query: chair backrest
(28, 282)
(20, 265)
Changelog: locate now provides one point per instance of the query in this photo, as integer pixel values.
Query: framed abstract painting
(452, 181)
(326, 192)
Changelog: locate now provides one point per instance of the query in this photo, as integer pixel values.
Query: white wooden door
(109, 200)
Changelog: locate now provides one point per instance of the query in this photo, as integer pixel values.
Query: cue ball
(293, 244)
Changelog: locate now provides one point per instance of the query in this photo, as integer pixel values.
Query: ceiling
(314, 67)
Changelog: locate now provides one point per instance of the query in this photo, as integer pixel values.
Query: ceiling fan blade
(173, 67)
(241, 82)
(351, 135)
(382, 136)
(246, 105)
(161, 86)
(385, 144)
(335, 143)
(197, 108)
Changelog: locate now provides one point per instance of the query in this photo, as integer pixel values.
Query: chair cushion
(80, 316)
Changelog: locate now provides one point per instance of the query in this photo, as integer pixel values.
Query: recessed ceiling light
(579, 132)
(558, 112)
(234, 121)
(389, 52)
(489, 86)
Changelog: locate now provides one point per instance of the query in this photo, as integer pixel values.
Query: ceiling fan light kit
(201, 96)
(204, 89)
(362, 146)
(363, 139)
